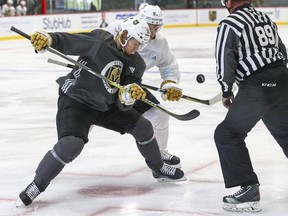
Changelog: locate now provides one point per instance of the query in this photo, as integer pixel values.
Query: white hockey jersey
(155, 53)
(21, 10)
(8, 10)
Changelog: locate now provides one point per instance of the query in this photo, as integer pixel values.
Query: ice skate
(245, 200)
(170, 159)
(169, 173)
(28, 195)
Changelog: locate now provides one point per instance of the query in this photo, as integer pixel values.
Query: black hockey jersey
(98, 51)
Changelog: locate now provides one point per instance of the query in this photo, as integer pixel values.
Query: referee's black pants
(262, 96)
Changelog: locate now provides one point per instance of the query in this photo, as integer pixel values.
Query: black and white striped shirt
(247, 40)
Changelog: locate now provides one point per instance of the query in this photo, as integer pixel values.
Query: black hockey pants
(262, 96)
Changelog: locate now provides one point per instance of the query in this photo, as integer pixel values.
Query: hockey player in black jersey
(249, 52)
(157, 54)
(86, 100)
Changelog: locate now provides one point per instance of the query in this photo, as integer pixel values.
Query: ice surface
(110, 177)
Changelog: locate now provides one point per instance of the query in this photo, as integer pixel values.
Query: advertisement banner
(50, 23)
(89, 21)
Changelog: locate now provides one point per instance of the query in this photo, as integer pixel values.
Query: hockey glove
(172, 91)
(135, 93)
(40, 40)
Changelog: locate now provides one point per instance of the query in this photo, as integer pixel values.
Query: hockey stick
(210, 102)
(60, 63)
(185, 117)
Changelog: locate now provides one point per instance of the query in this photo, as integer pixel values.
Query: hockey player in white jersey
(157, 53)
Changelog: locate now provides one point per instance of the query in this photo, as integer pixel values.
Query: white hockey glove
(135, 93)
(172, 91)
(40, 40)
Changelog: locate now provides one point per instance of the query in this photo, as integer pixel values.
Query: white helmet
(137, 28)
(152, 14)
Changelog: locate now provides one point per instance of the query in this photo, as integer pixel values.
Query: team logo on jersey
(212, 15)
(132, 69)
(113, 72)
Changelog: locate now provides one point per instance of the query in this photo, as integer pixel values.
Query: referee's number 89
(265, 35)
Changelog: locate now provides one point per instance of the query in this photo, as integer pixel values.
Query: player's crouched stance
(85, 100)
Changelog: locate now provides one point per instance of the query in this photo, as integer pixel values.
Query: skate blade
(243, 207)
(19, 203)
(165, 179)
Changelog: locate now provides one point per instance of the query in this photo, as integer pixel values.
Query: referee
(249, 52)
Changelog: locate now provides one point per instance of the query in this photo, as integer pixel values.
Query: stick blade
(188, 116)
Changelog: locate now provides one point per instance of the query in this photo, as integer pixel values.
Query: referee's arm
(226, 58)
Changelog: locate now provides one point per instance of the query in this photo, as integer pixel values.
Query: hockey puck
(200, 78)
